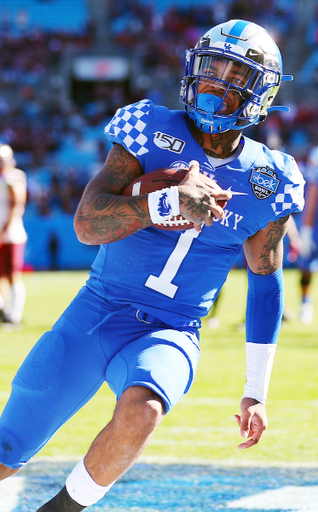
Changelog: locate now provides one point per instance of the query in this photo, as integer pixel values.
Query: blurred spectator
(12, 238)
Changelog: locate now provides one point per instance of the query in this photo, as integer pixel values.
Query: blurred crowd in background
(55, 126)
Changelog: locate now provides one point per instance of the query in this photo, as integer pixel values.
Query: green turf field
(202, 425)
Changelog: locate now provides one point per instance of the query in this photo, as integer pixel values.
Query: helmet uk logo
(168, 142)
(264, 182)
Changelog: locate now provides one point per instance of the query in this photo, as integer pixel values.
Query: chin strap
(281, 108)
(287, 78)
(284, 78)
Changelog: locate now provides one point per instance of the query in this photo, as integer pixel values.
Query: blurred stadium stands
(67, 65)
(48, 15)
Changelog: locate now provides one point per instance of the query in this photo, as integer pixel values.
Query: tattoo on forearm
(100, 203)
(272, 249)
(116, 219)
(105, 216)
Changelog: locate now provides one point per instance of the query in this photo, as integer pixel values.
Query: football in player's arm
(136, 322)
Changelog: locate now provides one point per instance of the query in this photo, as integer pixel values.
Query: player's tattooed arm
(199, 202)
(264, 250)
(103, 215)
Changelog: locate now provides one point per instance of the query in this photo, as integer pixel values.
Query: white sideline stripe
(9, 492)
(291, 498)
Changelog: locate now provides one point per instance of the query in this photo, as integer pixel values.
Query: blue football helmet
(237, 56)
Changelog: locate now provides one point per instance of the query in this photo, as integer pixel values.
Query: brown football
(163, 178)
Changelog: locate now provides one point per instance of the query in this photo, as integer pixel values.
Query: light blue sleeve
(264, 307)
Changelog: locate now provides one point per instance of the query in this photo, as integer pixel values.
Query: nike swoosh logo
(253, 54)
(236, 193)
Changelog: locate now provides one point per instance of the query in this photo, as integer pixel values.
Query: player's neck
(217, 145)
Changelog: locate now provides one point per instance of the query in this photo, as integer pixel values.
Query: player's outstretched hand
(252, 422)
(199, 201)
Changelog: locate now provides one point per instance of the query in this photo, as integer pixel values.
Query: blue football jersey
(176, 275)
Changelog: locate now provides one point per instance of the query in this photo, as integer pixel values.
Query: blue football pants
(92, 342)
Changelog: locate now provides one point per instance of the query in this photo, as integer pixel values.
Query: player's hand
(198, 201)
(252, 422)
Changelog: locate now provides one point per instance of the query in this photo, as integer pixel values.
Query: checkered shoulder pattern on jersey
(128, 125)
(275, 180)
(141, 128)
(291, 197)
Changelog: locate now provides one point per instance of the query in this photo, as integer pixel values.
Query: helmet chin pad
(209, 103)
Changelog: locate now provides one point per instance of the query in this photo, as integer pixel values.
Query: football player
(308, 262)
(136, 322)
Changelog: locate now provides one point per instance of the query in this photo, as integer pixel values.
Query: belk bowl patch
(264, 182)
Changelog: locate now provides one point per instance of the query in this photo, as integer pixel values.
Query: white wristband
(259, 364)
(163, 204)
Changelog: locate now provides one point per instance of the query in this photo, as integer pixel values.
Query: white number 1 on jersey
(163, 284)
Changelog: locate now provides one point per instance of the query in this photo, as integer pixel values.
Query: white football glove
(307, 243)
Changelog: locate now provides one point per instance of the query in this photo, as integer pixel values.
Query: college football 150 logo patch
(168, 142)
(264, 182)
